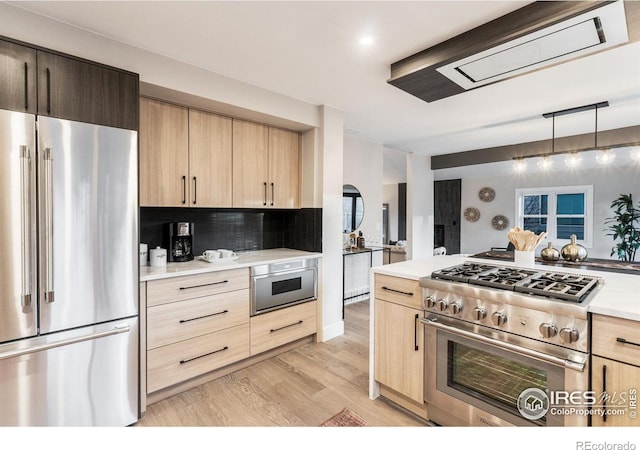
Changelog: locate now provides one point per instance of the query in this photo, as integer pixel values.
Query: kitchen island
(408, 298)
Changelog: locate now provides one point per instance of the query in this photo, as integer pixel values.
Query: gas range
(539, 304)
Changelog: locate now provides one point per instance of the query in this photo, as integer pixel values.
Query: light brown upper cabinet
(210, 160)
(265, 166)
(164, 154)
(284, 168)
(185, 156)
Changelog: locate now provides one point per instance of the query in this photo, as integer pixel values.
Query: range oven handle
(567, 364)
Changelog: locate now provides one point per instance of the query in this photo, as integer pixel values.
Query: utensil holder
(524, 258)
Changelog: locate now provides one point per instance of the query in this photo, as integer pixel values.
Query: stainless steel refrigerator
(68, 273)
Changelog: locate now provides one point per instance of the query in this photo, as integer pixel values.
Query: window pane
(535, 224)
(570, 204)
(570, 225)
(535, 205)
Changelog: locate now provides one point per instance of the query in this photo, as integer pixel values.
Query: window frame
(552, 216)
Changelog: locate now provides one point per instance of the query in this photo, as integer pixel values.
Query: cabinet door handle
(26, 87)
(203, 285)
(195, 190)
(273, 330)
(184, 361)
(265, 194)
(184, 189)
(415, 333)
(204, 317)
(604, 392)
(624, 341)
(273, 194)
(410, 294)
(48, 91)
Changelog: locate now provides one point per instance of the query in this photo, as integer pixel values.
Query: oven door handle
(567, 364)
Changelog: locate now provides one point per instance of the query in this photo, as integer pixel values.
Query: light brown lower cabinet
(279, 327)
(171, 364)
(621, 383)
(399, 360)
(196, 324)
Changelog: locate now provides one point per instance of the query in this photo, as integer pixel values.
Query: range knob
(548, 330)
(569, 335)
(443, 305)
(498, 318)
(457, 308)
(430, 301)
(479, 313)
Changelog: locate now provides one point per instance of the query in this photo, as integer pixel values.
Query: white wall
(608, 183)
(419, 206)
(394, 171)
(331, 143)
(363, 169)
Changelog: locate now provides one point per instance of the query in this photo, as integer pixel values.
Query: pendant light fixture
(573, 157)
(546, 162)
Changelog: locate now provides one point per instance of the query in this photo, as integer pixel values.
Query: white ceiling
(311, 51)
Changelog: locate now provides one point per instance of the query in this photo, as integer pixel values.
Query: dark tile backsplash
(238, 229)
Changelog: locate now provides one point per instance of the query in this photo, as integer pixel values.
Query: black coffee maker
(179, 241)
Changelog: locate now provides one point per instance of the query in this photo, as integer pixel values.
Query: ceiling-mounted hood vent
(587, 33)
(531, 38)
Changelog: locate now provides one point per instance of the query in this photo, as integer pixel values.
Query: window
(560, 211)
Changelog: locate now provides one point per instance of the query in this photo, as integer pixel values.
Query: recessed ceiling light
(366, 40)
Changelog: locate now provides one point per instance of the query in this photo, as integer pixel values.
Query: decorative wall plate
(487, 194)
(471, 214)
(500, 222)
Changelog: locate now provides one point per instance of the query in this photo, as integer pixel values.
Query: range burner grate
(558, 285)
(555, 285)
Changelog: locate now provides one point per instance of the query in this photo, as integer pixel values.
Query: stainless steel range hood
(536, 36)
(587, 33)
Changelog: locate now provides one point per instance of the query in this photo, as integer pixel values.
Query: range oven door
(475, 376)
(271, 290)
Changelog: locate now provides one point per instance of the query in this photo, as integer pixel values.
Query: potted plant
(624, 226)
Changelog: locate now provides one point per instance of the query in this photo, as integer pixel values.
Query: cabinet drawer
(177, 321)
(181, 288)
(282, 326)
(606, 335)
(399, 290)
(178, 362)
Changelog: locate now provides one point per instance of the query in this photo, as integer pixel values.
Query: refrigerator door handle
(25, 203)
(50, 345)
(48, 225)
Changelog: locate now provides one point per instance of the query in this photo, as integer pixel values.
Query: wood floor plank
(300, 388)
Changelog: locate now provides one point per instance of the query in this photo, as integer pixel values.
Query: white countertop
(245, 259)
(618, 297)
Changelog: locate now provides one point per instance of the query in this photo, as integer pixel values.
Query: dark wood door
(17, 77)
(73, 89)
(447, 200)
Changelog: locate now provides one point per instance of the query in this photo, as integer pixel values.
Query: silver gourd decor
(574, 251)
(549, 253)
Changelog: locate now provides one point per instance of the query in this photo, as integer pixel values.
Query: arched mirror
(352, 208)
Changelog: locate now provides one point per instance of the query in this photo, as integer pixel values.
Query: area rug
(345, 418)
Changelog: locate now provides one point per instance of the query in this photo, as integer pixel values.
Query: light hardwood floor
(300, 388)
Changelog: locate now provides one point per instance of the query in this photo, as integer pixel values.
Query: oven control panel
(554, 327)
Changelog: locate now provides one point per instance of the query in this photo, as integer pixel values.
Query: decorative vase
(550, 253)
(574, 251)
